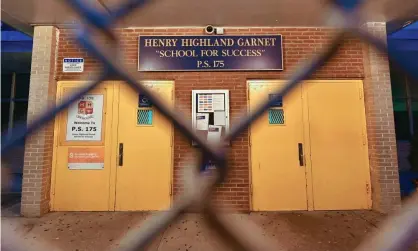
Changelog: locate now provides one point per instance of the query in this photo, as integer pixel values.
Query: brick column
(380, 125)
(38, 148)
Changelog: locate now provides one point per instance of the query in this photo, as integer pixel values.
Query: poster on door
(85, 117)
(86, 158)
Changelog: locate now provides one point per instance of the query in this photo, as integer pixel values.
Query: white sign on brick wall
(73, 65)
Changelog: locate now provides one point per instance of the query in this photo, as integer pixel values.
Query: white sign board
(73, 65)
(210, 113)
(85, 117)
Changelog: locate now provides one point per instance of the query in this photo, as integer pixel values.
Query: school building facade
(328, 145)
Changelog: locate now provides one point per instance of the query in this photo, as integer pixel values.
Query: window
(144, 117)
(276, 116)
(22, 86)
(6, 86)
(14, 100)
(5, 108)
(401, 119)
(405, 104)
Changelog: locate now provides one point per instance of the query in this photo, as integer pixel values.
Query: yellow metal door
(143, 179)
(278, 177)
(85, 186)
(338, 145)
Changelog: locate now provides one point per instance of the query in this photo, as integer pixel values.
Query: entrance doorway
(128, 166)
(310, 150)
(275, 139)
(145, 138)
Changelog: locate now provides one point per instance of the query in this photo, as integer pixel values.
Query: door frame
(115, 135)
(58, 131)
(114, 85)
(360, 85)
(306, 136)
(307, 167)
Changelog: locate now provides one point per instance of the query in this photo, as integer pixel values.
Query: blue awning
(16, 50)
(405, 43)
(14, 41)
(14, 36)
(17, 46)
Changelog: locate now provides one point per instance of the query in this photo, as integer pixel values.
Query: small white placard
(202, 121)
(73, 65)
(219, 118)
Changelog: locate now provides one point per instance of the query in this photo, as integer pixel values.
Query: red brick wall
(298, 45)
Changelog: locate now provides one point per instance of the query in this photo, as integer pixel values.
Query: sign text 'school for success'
(200, 53)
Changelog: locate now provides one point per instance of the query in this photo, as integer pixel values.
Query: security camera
(209, 29)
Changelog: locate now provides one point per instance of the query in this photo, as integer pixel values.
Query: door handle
(300, 148)
(120, 154)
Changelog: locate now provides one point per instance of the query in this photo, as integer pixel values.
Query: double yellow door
(310, 151)
(136, 144)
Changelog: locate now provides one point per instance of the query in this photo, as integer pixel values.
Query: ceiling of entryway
(202, 12)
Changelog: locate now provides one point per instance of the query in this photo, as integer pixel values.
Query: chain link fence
(399, 232)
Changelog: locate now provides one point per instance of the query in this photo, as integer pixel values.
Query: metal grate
(398, 233)
(276, 117)
(144, 116)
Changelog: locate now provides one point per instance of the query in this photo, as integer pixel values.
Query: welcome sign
(210, 53)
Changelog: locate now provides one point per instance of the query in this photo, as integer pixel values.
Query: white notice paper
(204, 103)
(219, 118)
(73, 65)
(214, 134)
(218, 102)
(84, 121)
(202, 121)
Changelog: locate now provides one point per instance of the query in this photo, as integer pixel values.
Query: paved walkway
(312, 231)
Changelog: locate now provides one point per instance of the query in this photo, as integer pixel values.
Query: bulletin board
(210, 114)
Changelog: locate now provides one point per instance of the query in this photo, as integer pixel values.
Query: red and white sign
(85, 119)
(84, 158)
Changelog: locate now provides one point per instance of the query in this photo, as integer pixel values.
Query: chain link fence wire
(400, 230)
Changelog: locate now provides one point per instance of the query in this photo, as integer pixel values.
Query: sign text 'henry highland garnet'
(210, 53)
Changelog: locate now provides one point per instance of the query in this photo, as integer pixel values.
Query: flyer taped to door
(84, 121)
